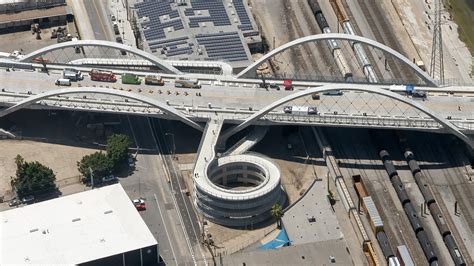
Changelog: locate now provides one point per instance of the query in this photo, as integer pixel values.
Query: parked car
(139, 204)
(109, 179)
(28, 199)
(14, 202)
(131, 162)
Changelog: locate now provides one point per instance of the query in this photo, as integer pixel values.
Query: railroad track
(323, 50)
(384, 201)
(357, 30)
(305, 53)
(429, 154)
(384, 34)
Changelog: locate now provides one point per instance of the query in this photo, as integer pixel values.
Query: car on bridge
(333, 93)
(40, 60)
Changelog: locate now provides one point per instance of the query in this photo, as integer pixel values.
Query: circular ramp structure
(239, 190)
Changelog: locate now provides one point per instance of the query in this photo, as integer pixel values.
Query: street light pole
(172, 139)
(92, 178)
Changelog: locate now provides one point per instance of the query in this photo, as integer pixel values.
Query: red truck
(100, 75)
(288, 84)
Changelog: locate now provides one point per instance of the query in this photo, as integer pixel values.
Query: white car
(109, 178)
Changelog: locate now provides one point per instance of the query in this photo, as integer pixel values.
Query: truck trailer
(154, 80)
(72, 74)
(189, 84)
(128, 78)
(101, 75)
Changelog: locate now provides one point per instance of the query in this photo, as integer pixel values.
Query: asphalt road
(149, 181)
(175, 229)
(96, 12)
(188, 216)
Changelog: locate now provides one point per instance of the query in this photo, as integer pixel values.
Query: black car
(28, 199)
(119, 39)
(274, 86)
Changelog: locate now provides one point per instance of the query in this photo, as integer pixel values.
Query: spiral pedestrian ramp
(237, 190)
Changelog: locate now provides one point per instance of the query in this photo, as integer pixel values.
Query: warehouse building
(13, 6)
(96, 227)
(218, 30)
(18, 15)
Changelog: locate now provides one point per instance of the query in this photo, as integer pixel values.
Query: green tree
(100, 164)
(277, 213)
(32, 178)
(117, 148)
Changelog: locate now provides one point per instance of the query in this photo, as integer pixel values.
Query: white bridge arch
(338, 36)
(162, 64)
(158, 104)
(450, 127)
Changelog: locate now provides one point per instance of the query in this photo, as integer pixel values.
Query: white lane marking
(166, 230)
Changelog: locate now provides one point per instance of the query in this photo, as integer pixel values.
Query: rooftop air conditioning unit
(170, 29)
(232, 12)
(203, 24)
(181, 2)
(199, 12)
(236, 20)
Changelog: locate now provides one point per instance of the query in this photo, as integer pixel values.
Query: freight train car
(408, 207)
(333, 45)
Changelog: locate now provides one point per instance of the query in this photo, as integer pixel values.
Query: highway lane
(99, 19)
(149, 181)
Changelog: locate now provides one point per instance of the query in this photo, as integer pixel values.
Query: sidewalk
(117, 9)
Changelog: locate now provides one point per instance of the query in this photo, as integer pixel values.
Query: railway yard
(447, 171)
(350, 195)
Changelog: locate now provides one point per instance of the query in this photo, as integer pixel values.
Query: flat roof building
(218, 30)
(96, 227)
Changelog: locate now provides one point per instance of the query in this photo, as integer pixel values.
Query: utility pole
(92, 178)
(437, 62)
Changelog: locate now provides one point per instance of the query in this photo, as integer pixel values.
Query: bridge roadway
(236, 101)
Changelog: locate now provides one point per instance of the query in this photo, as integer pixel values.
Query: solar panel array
(172, 47)
(226, 46)
(153, 10)
(245, 23)
(217, 13)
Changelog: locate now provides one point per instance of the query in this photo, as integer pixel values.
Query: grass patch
(463, 14)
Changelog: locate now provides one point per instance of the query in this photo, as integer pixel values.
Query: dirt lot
(62, 159)
(27, 41)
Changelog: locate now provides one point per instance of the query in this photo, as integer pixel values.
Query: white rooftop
(73, 229)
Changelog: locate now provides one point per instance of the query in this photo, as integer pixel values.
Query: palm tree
(277, 213)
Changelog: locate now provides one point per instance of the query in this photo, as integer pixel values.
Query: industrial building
(19, 15)
(221, 30)
(96, 227)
